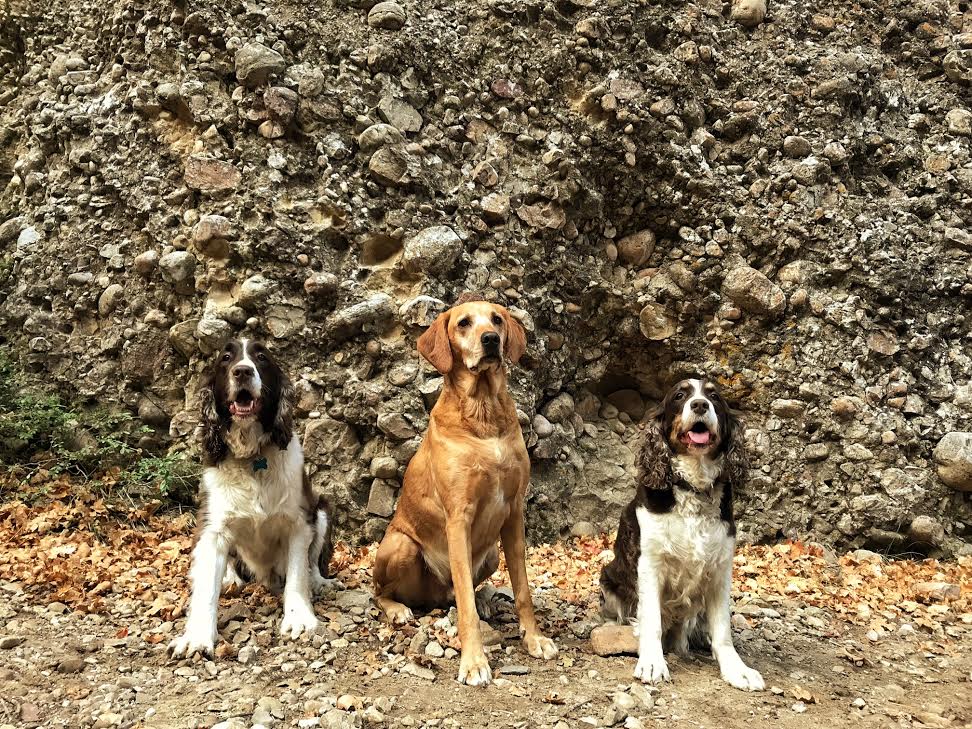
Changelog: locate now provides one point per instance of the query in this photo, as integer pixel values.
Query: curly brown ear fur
(654, 461)
(212, 429)
(515, 337)
(434, 344)
(735, 459)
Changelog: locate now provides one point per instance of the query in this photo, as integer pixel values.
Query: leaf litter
(79, 550)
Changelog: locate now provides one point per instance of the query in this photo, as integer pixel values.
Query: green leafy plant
(38, 427)
(173, 476)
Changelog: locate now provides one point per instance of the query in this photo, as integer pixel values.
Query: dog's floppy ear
(282, 427)
(736, 460)
(211, 426)
(654, 461)
(434, 344)
(515, 337)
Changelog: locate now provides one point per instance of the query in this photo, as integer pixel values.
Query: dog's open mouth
(698, 435)
(245, 405)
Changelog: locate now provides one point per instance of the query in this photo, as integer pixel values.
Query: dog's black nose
(700, 406)
(242, 372)
(490, 340)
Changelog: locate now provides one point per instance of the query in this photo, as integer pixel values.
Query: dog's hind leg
(232, 579)
(321, 550)
(401, 578)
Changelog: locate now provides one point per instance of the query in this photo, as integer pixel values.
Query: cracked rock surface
(655, 189)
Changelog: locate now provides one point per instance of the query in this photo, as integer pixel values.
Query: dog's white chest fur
(258, 506)
(684, 550)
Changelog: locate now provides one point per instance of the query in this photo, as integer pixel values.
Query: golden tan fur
(464, 489)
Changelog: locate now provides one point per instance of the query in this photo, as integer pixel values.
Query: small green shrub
(173, 477)
(38, 427)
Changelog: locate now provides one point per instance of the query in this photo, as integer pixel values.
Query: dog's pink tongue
(698, 438)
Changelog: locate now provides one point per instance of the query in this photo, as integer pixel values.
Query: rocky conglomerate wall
(654, 189)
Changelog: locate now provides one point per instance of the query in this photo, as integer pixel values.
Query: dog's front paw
(652, 669)
(743, 677)
(539, 646)
(191, 642)
(298, 620)
(474, 669)
(399, 614)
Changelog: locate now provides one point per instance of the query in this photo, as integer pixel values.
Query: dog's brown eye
(497, 319)
(679, 396)
(262, 357)
(227, 357)
(463, 323)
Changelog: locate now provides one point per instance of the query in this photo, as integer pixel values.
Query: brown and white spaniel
(672, 564)
(258, 518)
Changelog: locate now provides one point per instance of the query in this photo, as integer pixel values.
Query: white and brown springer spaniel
(258, 517)
(675, 544)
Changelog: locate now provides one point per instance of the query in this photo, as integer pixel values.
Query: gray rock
(27, 238)
(212, 226)
(110, 298)
(636, 249)
(959, 121)
(953, 456)
(926, 530)
(327, 438)
(255, 292)
(421, 311)
(748, 13)
(379, 135)
(11, 230)
(433, 250)
(208, 174)
(255, 63)
(399, 114)
(234, 723)
(212, 333)
(177, 267)
(958, 66)
(559, 408)
(387, 15)
(583, 529)
(787, 408)
(396, 426)
(70, 664)
(753, 292)
(285, 321)
(541, 426)
(321, 286)
(381, 498)
(384, 467)
(418, 671)
(796, 147)
(146, 263)
(377, 311)
(389, 165)
(655, 323)
(495, 207)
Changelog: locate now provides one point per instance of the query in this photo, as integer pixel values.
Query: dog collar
(260, 464)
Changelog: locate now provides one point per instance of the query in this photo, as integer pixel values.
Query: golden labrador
(464, 488)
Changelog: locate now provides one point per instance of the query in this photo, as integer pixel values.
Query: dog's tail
(323, 531)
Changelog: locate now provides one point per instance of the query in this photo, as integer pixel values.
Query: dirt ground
(90, 598)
